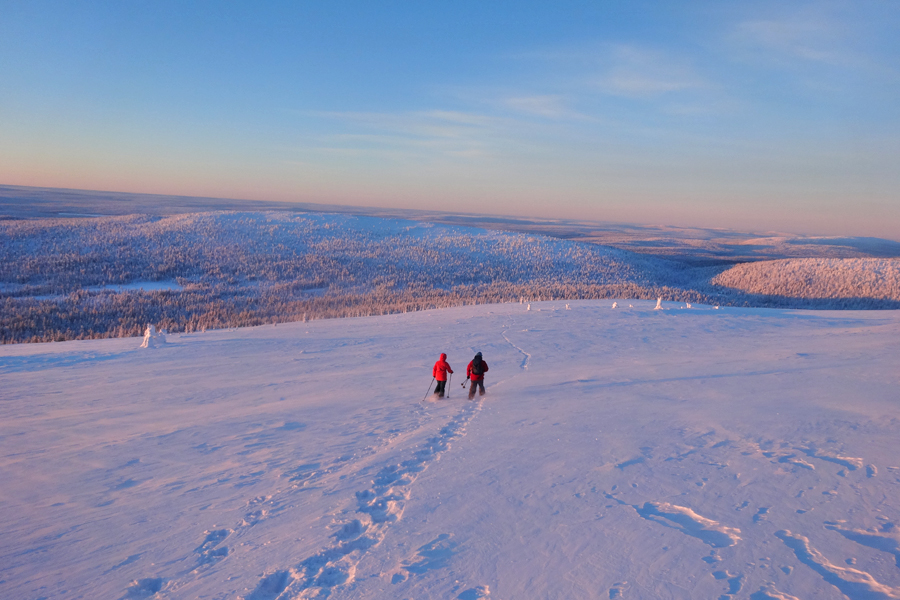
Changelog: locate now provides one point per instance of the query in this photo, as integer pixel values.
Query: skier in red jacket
(475, 373)
(440, 370)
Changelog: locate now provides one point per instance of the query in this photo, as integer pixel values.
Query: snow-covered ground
(626, 453)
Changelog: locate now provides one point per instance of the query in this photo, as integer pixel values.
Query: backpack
(477, 367)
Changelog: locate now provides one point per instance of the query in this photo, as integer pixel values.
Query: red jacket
(441, 368)
(472, 376)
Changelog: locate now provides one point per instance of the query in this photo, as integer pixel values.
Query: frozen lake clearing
(620, 453)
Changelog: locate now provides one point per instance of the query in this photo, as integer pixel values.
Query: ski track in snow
(524, 364)
(213, 549)
(377, 509)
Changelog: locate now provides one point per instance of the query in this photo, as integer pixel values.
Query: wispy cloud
(637, 72)
(426, 122)
(825, 50)
(793, 38)
(541, 106)
(556, 107)
(572, 96)
(633, 70)
(425, 134)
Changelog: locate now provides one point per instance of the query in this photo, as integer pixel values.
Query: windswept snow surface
(627, 453)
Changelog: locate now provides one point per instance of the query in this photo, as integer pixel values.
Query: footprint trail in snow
(377, 509)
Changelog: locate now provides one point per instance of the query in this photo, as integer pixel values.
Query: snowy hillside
(821, 278)
(91, 278)
(623, 453)
(64, 278)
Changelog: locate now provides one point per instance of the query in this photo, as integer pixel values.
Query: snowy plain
(620, 453)
(691, 244)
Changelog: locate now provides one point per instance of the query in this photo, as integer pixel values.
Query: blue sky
(746, 115)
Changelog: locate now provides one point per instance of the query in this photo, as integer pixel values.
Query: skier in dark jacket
(440, 370)
(475, 374)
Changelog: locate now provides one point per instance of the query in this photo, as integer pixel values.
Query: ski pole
(429, 389)
(449, 379)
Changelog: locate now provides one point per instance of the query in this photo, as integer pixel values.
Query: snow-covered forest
(110, 276)
(847, 279)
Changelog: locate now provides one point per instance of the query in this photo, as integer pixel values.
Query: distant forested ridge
(864, 280)
(66, 278)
